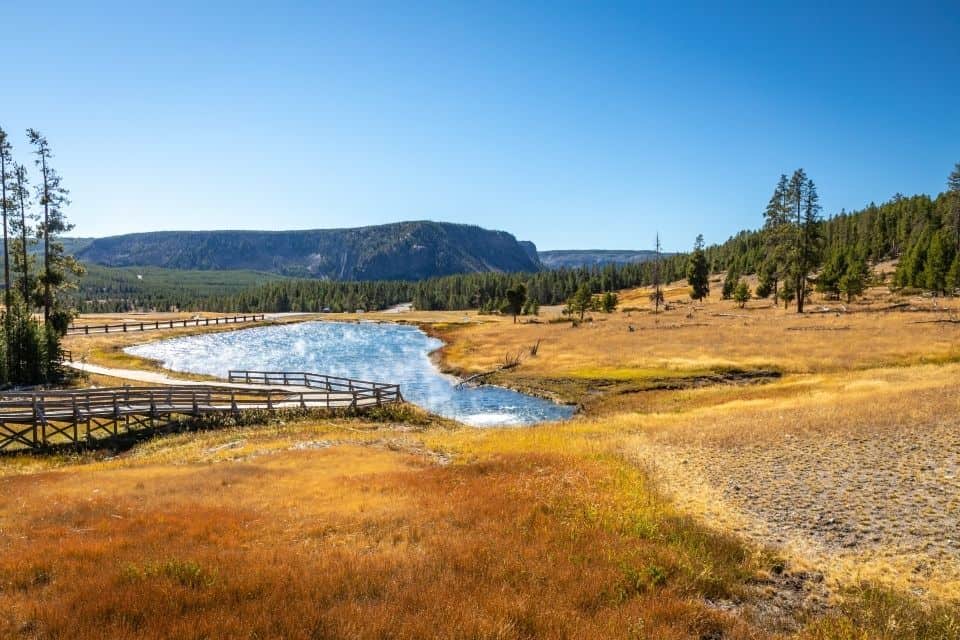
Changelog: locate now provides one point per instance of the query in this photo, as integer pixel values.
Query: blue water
(378, 352)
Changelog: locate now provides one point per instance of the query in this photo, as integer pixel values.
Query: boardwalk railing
(45, 418)
(124, 327)
(389, 392)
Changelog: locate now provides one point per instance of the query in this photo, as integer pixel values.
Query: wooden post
(76, 419)
(35, 417)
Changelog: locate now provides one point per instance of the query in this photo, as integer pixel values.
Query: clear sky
(575, 125)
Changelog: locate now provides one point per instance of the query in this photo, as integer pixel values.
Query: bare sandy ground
(883, 505)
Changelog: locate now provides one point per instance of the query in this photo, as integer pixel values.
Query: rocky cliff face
(400, 251)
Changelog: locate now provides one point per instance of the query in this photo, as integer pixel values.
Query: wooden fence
(37, 420)
(124, 327)
(315, 381)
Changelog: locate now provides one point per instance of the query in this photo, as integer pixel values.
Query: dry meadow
(732, 473)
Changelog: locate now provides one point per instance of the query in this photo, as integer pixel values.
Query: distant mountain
(593, 258)
(399, 251)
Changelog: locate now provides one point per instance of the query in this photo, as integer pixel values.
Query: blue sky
(575, 125)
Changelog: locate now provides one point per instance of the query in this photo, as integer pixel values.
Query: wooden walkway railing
(316, 381)
(124, 327)
(45, 418)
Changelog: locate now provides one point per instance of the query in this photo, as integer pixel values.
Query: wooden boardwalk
(37, 420)
(126, 327)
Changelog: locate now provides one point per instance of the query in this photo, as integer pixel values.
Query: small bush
(186, 573)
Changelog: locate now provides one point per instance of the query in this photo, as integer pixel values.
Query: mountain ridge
(411, 250)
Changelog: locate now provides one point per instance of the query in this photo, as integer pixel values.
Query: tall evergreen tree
(698, 271)
(6, 169)
(21, 248)
(52, 197)
(811, 239)
(937, 263)
(657, 296)
(953, 275)
(777, 236)
(953, 192)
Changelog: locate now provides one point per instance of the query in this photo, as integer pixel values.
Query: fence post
(86, 329)
(76, 419)
(35, 417)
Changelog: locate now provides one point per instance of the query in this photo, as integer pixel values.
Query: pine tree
(6, 169)
(953, 192)
(828, 282)
(730, 283)
(777, 234)
(582, 301)
(809, 236)
(939, 257)
(657, 296)
(741, 295)
(21, 225)
(516, 298)
(52, 197)
(698, 271)
(765, 284)
(953, 275)
(609, 302)
(854, 280)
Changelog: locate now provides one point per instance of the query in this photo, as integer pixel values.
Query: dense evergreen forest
(794, 252)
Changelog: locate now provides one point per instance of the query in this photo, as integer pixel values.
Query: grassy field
(733, 473)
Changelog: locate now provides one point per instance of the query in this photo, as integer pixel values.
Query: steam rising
(366, 351)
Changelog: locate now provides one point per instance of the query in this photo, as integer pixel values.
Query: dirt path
(155, 377)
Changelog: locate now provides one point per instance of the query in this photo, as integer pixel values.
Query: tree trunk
(46, 245)
(6, 241)
(26, 256)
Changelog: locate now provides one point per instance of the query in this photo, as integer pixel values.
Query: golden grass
(318, 533)
(659, 512)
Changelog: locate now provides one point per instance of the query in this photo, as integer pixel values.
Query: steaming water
(366, 351)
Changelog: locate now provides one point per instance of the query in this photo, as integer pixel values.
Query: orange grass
(352, 542)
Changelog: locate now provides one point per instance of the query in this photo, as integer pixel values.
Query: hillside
(573, 259)
(122, 288)
(399, 251)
